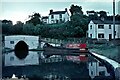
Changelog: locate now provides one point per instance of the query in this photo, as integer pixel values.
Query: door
(110, 37)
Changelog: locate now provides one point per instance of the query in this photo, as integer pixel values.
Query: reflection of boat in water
(83, 54)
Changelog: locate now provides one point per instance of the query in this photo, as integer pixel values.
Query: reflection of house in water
(96, 68)
(31, 59)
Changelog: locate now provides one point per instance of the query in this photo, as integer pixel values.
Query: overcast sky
(20, 9)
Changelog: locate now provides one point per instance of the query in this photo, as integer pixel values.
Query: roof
(45, 17)
(58, 12)
(105, 22)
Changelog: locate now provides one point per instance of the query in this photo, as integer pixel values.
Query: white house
(45, 19)
(103, 29)
(96, 68)
(31, 41)
(58, 16)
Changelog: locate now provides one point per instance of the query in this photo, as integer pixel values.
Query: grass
(110, 51)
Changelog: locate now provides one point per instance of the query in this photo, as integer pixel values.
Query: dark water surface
(61, 70)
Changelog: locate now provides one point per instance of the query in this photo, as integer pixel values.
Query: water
(36, 66)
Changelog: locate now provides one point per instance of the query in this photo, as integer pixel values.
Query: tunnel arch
(21, 49)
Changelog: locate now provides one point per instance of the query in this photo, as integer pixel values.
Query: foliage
(35, 19)
(6, 25)
(79, 22)
(103, 14)
(28, 29)
(77, 27)
(76, 9)
(93, 16)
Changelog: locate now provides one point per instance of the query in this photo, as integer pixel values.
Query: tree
(28, 29)
(103, 14)
(76, 10)
(92, 15)
(6, 26)
(17, 28)
(35, 19)
(79, 22)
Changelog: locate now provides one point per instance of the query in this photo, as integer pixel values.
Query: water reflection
(57, 67)
(12, 60)
(21, 50)
(96, 68)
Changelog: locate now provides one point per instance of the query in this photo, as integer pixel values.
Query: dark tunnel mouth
(21, 50)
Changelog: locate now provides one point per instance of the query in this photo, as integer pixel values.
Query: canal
(36, 66)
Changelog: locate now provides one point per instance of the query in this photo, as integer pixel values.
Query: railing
(70, 40)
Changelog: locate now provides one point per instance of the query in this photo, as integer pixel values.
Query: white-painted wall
(93, 30)
(106, 31)
(31, 41)
(65, 17)
(31, 59)
(45, 21)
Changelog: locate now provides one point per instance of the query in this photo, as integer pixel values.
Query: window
(100, 35)
(11, 42)
(100, 26)
(52, 16)
(115, 32)
(60, 20)
(11, 58)
(56, 21)
(90, 26)
(91, 35)
(109, 26)
(60, 16)
(52, 21)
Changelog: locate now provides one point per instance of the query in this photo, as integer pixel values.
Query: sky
(19, 10)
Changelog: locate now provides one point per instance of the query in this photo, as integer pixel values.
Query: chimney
(65, 9)
(51, 11)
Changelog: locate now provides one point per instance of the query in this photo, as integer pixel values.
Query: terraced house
(103, 29)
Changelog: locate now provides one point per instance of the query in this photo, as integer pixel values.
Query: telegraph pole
(114, 20)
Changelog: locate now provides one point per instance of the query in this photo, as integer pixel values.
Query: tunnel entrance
(21, 50)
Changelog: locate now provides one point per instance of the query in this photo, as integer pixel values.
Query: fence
(67, 40)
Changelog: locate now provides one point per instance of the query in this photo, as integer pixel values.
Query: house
(103, 29)
(58, 16)
(45, 19)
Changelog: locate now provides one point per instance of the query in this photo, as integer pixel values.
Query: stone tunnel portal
(21, 50)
